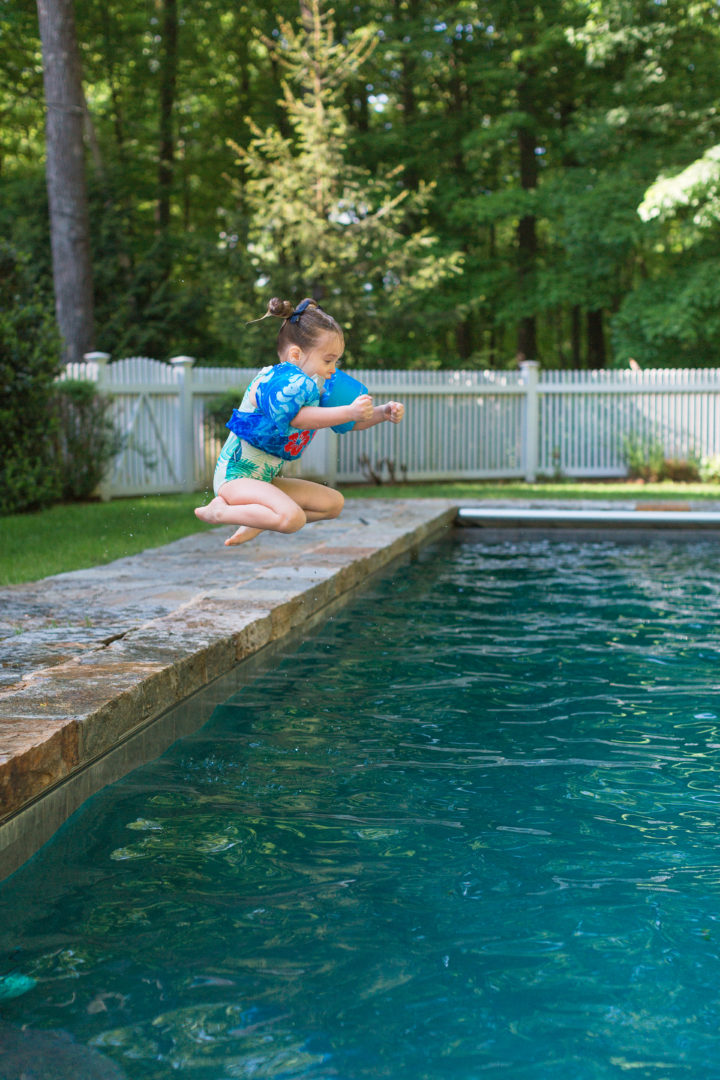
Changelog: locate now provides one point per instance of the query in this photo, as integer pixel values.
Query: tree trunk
(66, 183)
(527, 241)
(596, 340)
(406, 90)
(168, 81)
(464, 338)
(575, 337)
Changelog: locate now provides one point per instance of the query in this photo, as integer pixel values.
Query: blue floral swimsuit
(261, 438)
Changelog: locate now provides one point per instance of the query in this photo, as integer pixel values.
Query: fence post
(530, 374)
(183, 366)
(100, 359)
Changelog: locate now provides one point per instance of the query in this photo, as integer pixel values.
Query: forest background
(461, 184)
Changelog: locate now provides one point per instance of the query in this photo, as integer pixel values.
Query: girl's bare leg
(253, 505)
(318, 502)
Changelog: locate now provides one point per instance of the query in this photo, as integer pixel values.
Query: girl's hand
(394, 411)
(361, 409)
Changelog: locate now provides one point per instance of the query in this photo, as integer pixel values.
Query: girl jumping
(278, 416)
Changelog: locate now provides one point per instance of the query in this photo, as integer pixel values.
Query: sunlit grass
(76, 535)
(511, 489)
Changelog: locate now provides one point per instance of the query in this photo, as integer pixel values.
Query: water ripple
(468, 829)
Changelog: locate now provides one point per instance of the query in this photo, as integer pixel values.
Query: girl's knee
(292, 520)
(336, 503)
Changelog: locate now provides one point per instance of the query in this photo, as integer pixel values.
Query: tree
(660, 114)
(521, 135)
(65, 169)
(320, 226)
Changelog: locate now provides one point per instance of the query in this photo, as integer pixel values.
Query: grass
(665, 491)
(71, 536)
(76, 535)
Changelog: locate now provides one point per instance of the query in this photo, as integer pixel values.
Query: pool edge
(133, 682)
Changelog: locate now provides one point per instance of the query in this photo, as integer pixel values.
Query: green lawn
(76, 535)
(666, 491)
(70, 536)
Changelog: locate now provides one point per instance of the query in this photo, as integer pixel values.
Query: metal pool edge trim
(503, 517)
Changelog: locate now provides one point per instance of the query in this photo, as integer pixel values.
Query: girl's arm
(392, 411)
(314, 417)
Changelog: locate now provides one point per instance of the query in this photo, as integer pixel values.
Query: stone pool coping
(92, 659)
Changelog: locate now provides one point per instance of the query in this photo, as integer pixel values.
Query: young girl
(279, 414)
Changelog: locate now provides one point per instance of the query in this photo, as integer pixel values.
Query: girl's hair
(302, 325)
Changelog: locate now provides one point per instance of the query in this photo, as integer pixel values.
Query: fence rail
(459, 424)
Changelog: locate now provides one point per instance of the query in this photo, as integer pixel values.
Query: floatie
(341, 389)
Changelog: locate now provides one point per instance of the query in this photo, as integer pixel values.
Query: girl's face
(322, 358)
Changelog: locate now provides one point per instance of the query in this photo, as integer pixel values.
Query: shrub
(87, 439)
(645, 460)
(686, 471)
(710, 469)
(30, 358)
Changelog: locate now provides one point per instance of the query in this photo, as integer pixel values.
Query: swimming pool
(468, 829)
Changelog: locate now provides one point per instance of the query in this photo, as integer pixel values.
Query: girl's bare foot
(243, 534)
(212, 513)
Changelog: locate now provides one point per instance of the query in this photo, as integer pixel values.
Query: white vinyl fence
(458, 424)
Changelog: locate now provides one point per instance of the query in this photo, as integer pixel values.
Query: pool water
(469, 829)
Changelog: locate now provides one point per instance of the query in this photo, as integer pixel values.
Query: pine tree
(320, 226)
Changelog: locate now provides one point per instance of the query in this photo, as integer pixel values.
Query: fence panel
(464, 424)
(586, 417)
(208, 383)
(459, 424)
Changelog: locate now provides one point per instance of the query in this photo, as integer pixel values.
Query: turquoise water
(468, 830)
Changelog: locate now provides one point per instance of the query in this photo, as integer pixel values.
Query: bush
(681, 470)
(645, 460)
(30, 358)
(87, 439)
(710, 469)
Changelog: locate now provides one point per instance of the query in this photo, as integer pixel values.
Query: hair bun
(281, 308)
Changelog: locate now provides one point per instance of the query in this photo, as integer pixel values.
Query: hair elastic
(295, 316)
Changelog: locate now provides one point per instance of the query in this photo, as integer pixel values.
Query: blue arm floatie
(341, 389)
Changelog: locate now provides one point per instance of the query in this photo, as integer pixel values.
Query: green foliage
(646, 460)
(218, 410)
(87, 439)
(710, 469)
(380, 169)
(29, 361)
(322, 227)
(692, 195)
(673, 320)
(643, 457)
